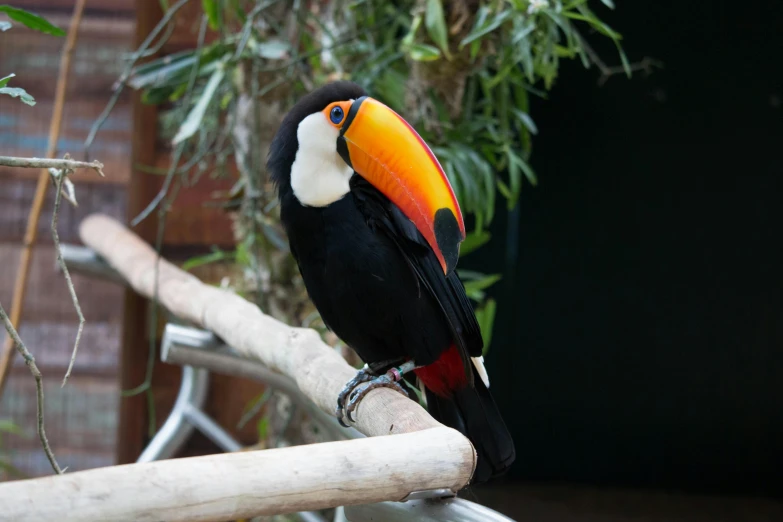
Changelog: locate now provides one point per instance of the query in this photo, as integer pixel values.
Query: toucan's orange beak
(390, 154)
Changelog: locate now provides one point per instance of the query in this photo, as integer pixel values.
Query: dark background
(639, 339)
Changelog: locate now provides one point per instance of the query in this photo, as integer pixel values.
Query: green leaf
(262, 427)
(225, 100)
(238, 11)
(196, 114)
(525, 119)
(211, 9)
(17, 92)
(608, 3)
(514, 177)
(473, 241)
(273, 50)
(5, 25)
(623, 59)
(504, 190)
(407, 41)
(482, 28)
(8, 426)
(164, 5)
(252, 408)
(31, 20)
(212, 257)
(169, 70)
(419, 395)
(4, 81)
(485, 316)
(423, 52)
(524, 165)
(11, 470)
(596, 23)
(475, 287)
(435, 22)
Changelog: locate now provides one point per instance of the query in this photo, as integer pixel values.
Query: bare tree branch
(31, 232)
(646, 64)
(30, 362)
(59, 164)
(141, 51)
(56, 237)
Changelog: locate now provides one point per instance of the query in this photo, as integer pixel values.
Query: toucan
(375, 229)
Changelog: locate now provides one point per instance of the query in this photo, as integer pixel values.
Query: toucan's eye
(336, 115)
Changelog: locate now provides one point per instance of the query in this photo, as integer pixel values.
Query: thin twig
(254, 408)
(59, 164)
(248, 27)
(31, 232)
(120, 85)
(66, 273)
(158, 46)
(30, 362)
(646, 64)
(164, 189)
(181, 145)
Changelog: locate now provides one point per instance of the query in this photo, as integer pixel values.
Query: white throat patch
(319, 176)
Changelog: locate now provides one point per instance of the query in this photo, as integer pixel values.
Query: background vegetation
(462, 72)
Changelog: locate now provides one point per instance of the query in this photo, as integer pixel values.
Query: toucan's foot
(384, 381)
(390, 379)
(363, 375)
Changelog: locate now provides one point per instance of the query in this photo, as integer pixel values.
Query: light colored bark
(297, 352)
(246, 484)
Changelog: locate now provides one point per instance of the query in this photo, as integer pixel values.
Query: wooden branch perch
(317, 369)
(245, 484)
(421, 455)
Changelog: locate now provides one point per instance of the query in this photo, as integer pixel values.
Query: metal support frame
(200, 352)
(187, 412)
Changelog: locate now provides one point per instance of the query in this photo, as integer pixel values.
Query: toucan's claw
(363, 375)
(364, 381)
(386, 380)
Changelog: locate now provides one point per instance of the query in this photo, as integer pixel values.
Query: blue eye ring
(336, 114)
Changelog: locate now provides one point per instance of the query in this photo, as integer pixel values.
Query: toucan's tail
(473, 412)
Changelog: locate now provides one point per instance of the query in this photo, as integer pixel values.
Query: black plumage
(379, 286)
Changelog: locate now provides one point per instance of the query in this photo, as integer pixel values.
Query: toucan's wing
(448, 291)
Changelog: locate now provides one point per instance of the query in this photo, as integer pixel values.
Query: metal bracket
(187, 414)
(424, 510)
(184, 345)
(429, 493)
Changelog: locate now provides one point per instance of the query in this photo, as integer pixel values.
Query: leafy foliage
(31, 20)
(15, 92)
(34, 22)
(6, 468)
(462, 72)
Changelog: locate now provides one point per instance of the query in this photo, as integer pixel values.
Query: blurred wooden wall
(88, 422)
(192, 227)
(82, 417)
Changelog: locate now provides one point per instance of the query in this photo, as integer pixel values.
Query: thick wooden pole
(247, 484)
(132, 422)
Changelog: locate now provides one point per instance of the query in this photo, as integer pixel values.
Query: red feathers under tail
(470, 410)
(444, 375)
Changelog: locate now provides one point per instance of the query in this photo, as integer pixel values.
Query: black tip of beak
(448, 236)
